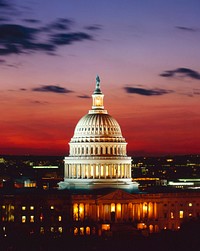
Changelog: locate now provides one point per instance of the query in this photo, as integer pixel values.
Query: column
(70, 171)
(99, 168)
(155, 210)
(66, 171)
(76, 168)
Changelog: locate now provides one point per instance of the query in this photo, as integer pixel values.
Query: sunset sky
(146, 52)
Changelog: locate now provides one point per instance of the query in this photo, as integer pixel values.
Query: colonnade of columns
(97, 171)
(77, 149)
(118, 212)
(129, 211)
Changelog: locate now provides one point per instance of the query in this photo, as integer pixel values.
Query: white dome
(97, 127)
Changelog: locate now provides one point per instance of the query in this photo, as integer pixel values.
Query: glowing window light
(81, 230)
(181, 214)
(23, 219)
(190, 204)
(87, 230)
(75, 211)
(52, 207)
(112, 207)
(190, 214)
(32, 218)
(75, 231)
(60, 230)
(119, 208)
(52, 229)
(3, 207)
(41, 230)
(31, 207)
(23, 208)
(81, 211)
(41, 217)
(105, 227)
(59, 218)
(172, 215)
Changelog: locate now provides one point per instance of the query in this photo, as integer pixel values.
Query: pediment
(117, 195)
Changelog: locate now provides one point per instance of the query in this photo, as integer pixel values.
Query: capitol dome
(97, 127)
(97, 151)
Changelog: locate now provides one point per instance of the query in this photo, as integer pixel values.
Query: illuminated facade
(98, 157)
(65, 213)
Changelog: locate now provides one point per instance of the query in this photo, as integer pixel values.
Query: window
(32, 218)
(172, 215)
(41, 230)
(31, 207)
(190, 204)
(60, 230)
(59, 218)
(75, 231)
(23, 208)
(181, 214)
(87, 230)
(52, 207)
(81, 230)
(41, 217)
(23, 218)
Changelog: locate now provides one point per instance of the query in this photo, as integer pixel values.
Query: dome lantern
(97, 98)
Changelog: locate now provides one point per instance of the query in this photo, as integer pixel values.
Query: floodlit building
(98, 156)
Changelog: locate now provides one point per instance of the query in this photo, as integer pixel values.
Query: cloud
(16, 39)
(32, 21)
(147, 92)
(196, 91)
(4, 4)
(39, 102)
(2, 61)
(60, 24)
(51, 88)
(69, 38)
(83, 96)
(31, 36)
(94, 27)
(181, 72)
(183, 28)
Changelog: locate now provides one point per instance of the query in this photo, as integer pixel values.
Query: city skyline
(146, 54)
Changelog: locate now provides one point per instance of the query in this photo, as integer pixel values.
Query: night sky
(146, 52)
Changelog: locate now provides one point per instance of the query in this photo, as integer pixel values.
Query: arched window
(106, 150)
